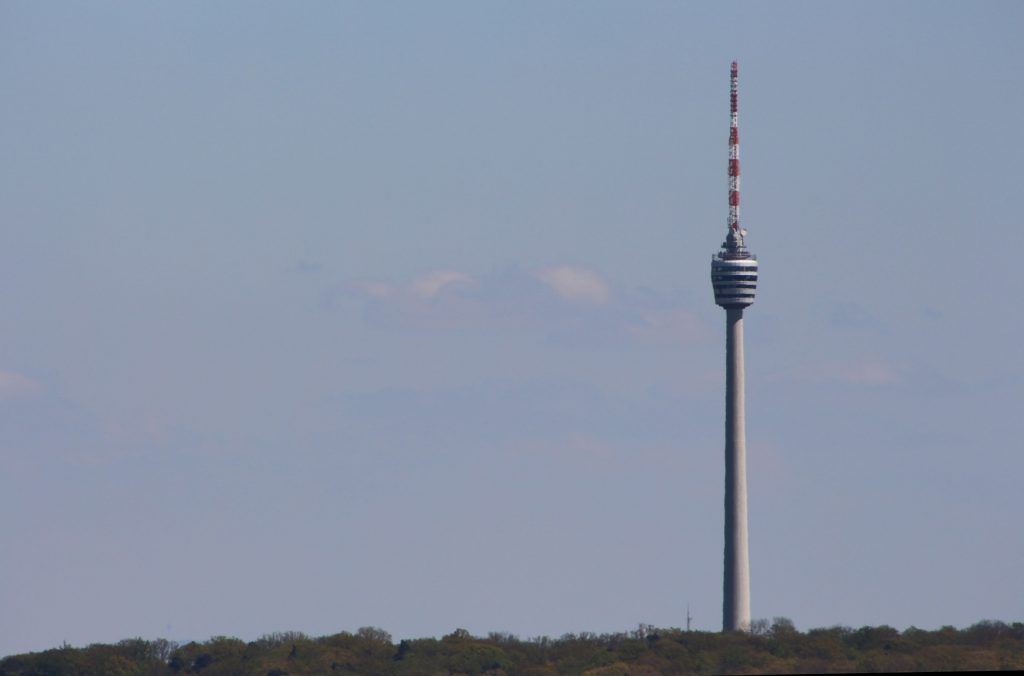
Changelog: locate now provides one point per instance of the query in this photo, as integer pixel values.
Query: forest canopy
(770, 647)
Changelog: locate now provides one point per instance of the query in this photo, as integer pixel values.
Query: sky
(323, 315)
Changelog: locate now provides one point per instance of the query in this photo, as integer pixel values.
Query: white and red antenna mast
(734, 152)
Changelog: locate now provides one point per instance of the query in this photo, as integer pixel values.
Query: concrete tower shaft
(736, 587)
(734, 273)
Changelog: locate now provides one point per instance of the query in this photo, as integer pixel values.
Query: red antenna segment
(734, 150)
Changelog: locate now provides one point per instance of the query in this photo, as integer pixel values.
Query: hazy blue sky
(320, 315)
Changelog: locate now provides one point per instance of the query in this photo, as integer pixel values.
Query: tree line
(770, 647)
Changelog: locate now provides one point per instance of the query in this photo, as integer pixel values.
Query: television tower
(734, 278)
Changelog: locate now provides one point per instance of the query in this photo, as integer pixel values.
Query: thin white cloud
(16, 385)
(576, 284)
(669, 325)
(375, 288)
(431, 283)
(854, 372)
(571, 305)
(867, 372)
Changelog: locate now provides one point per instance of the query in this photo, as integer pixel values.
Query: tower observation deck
(734, 280)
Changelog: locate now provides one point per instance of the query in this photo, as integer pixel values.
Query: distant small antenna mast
(734, 150)
(688, 618)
